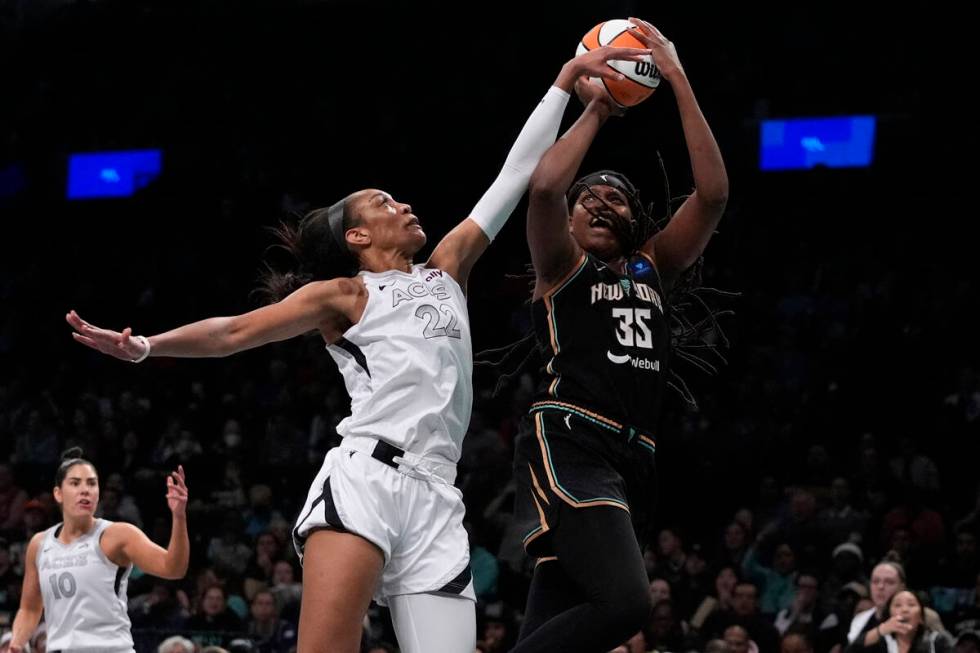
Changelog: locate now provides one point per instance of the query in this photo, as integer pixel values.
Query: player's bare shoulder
(34, 545)
(343, 299)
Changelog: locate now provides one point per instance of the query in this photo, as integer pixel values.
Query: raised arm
(459, 250)
(554, 252)
(124, 543)
(682, 241)
(325, 305)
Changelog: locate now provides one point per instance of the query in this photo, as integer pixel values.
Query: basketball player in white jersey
(383, 518)
(76, 572)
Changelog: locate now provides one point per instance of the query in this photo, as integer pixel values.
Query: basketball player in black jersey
(585, 454)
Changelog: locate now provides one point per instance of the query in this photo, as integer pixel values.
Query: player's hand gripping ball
(641, 78)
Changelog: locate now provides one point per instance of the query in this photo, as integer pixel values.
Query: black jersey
(608, 341)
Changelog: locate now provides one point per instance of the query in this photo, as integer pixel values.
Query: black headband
(335, 219)
(607, 178)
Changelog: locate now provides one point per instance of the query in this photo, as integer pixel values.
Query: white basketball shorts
(416, 519)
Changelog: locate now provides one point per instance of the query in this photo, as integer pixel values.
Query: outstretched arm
(462, 247)
(317, 305)
(684, 238)
(124, 543)
(554, 252)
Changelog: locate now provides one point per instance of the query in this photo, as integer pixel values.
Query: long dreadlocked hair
(697, 337)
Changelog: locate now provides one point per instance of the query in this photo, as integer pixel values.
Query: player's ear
(358, 236)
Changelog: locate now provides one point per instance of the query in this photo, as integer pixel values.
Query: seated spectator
(721, 601)
(498, 629)
(746, 518)
(734, 545)
(258, 574)
(841, 521)
(914, 468)
(287, 590)
(745, 613)
(36, 444)
(846, 564)
(110, 507)
(177, 444)
(832, 632)
(955, 580)
(925, 525)
(133, 460)
(232, 440)
(664, 631)
(700, 580)
(127, 509)
(887, 578)
(795, 643)
(967, 617)
(800, 528)
(268, 632)
(260, 513)
(213, 622)
(904, 630)
(899, 547)
(777, 579)
(671, 559)
(659, 591)
(803, 614)
(737, 640)
(227, 552)
(159, 609)
(231, 492)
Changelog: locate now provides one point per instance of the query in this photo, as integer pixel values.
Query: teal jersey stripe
(577, 413)
(531, 534)
(554, 473)
(543, 406)
(651, 448)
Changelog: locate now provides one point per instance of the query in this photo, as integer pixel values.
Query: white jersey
(84, 593)
(408, 364)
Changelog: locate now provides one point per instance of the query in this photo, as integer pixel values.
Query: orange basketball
(641, 77)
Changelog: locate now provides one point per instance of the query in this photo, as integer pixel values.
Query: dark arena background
(848, 411)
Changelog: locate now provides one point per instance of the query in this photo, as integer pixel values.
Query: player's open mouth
(414, 222)
(600, 222)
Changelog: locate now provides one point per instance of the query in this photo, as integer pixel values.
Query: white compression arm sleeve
(539, 133)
